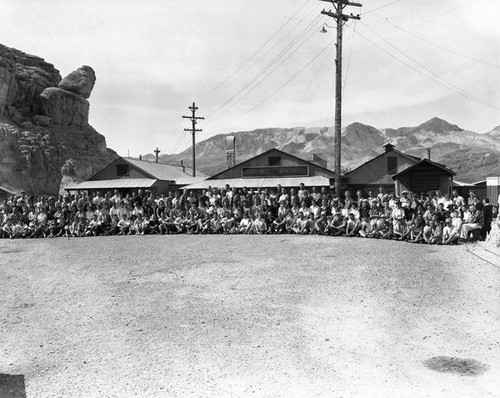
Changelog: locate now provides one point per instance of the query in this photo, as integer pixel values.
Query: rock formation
(80, 81)
(44, 126)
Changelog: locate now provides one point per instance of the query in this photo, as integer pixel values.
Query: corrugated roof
(318, 181)
(162, 171)
(9, 191)
(189, 180)
(113, 184)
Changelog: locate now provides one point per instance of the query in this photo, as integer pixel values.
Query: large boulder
(8, 84)
(64, 107)
(32, 80)
(32, 75)
(80, 81)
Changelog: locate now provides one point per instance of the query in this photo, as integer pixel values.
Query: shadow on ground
(12, 386)
(460, 366)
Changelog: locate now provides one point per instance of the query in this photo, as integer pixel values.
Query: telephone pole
(340, 19)
(193, 130)
(157, 152)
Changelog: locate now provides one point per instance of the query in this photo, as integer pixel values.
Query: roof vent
(388, 147)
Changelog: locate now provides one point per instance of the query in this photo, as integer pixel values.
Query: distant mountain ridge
(471, 155)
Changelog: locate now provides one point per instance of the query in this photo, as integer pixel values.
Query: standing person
(457, 199)
(381, 196)
(316, 195)
(487, 218)
(348, 202)
(283, 197)
(303, 193)
(472, 199)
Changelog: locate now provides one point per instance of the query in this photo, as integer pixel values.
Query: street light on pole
(340, 19)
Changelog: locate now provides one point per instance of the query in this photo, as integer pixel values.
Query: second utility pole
(340, 18)
(193, 130)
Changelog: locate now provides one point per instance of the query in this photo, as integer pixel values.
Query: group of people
(418, 218)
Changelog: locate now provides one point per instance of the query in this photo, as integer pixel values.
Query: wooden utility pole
(340, 19)
(193, 130)
(157, 152)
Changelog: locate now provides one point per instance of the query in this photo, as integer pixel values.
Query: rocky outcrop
(31, 76)
(80, 81)
(65, 108)
(44, 130)
(8, 84)
(67, 104)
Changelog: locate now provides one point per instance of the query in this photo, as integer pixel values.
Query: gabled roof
(159, 171)
(421, 162)
(404, 155)
(163, 171)
(121, 183)
(266, 152)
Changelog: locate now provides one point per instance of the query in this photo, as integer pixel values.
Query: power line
(267, 70)
(438, 79)
(276, 59)
(284, 84)
(182, 137)
(349, 58)
(319, 77)
(439, 46)
(379, 8)
(247, 61)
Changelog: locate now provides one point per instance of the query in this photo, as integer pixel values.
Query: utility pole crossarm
(336, 15)
(347, 3)
(194, 120)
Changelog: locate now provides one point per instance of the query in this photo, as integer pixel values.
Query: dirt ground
(238, 316)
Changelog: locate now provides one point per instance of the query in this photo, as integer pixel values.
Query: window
(278, 171)
(122, 170)
(392, 165)
(274, 161)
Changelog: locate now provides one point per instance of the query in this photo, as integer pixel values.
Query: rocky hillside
(471, 155)
(45, 138)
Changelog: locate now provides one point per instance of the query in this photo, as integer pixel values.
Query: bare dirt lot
(237, 316)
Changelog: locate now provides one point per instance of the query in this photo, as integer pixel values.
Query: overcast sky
(261, 63)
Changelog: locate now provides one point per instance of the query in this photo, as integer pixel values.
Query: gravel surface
(238, 316)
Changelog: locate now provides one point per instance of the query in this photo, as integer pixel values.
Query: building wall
(436, 180)
(493, 189)
(376, 172)
(110, 172)
(162, 187)
(264, 161)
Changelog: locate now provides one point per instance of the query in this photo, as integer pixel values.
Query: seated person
(473, 220)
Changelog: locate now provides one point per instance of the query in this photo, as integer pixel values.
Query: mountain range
(473, 156)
